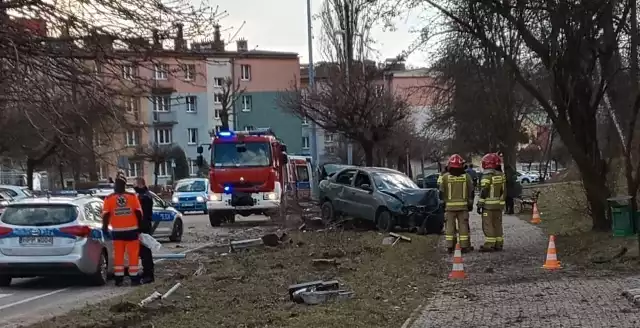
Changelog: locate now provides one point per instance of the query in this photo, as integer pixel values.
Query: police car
(166, 220)
(48, 236)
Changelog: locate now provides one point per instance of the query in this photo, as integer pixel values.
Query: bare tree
(355, 108)
(156, 154)
(231, 92)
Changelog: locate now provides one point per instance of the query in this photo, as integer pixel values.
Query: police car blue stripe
(46, 232)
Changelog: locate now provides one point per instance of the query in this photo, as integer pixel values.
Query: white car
(526, 177)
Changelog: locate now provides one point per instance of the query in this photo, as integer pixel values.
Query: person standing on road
(457, 192)
(473, 174)
(491, 202)
(146, 202)
(122, 211)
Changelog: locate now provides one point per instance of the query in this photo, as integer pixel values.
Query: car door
(338, 189)
(162, 217)
(363, 199)
(97, 218)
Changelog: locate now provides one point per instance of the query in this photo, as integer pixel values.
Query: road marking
(37, 297)
(33, 298)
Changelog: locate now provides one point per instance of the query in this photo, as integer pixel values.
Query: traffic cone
(458, 269)
(535, 218)
(552, 262)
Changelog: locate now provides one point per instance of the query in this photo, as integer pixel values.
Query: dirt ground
(565, 214)
(249, 288)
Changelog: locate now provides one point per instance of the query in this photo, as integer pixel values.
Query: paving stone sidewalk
(509, 289)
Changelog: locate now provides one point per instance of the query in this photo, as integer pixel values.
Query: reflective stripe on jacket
(493, 190)
(455, 191)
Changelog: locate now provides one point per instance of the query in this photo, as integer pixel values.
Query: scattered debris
(169, 256)
(157, 296)
(319, 262)
(399, 236)
(318, 292)
(235, 245)
(388, 240)
(633, 295)
(271, 240)
(201, 270)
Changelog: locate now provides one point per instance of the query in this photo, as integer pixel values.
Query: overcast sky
(282, 25)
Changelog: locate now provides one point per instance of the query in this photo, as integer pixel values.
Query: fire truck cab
(246, 174)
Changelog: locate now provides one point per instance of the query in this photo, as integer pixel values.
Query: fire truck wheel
(215, 219)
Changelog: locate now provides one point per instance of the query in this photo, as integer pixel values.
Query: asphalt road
(35, 299)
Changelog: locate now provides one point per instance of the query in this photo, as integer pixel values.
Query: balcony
(162, 87)
(163, 118)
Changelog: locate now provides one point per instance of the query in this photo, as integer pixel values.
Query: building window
(189, 72)
(245, 72)
(163, 136)
(217, 98)
(131, 105)
(193, 168)
(249, 128)
(217, 113)
(134, 170)
(160, 71)
(305, 121)
(192, 136)
(161, 104)
(328, 137)
(131, 138)
(164, 169)
(128, 72)
(218, 82)
(330, 150)
(191, 104)
(305, 142)
(103, 171)
(246, 103)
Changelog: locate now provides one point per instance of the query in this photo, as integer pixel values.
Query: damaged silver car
(384, 196)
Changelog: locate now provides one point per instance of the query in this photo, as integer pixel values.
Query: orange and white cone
(458, 269)
(552, 262)
(535, 218)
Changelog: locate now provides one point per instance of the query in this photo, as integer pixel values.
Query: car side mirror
(366, 186)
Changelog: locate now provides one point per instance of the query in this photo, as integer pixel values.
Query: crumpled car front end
(418, 209)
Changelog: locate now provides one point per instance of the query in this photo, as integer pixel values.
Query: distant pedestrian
(146, 202)
(473, 174)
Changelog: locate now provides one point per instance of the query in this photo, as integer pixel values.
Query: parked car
(526, 177)
(16, 192)
(54, 236)
(383, 196)
(431, 181)
(5, 200)
(191, 195)
(166, 220)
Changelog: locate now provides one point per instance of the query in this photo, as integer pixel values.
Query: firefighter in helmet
(491, 202)
(456, 188)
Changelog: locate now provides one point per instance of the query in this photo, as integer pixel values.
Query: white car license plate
(36, 240)
(243, 207)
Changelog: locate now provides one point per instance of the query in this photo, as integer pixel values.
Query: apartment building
(410, 83)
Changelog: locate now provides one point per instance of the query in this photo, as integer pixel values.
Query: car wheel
(100, 277)
(525, 180)
(385, 221)
(5, 281)
(228, 216)
(176, 233)
(214, 219)
(327, 212)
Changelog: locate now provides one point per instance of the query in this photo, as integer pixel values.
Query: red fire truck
(246, 174)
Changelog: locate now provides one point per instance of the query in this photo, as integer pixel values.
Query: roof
(53, 200)
(379, 170)
(191, 179)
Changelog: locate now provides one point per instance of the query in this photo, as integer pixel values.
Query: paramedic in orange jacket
(122, 211)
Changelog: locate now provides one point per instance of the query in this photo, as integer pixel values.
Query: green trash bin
(622, 219)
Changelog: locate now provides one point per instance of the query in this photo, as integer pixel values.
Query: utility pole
(347, 40)
(312, 84)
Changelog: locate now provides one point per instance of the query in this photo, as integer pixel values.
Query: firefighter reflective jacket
(457, 192)
(492, 190)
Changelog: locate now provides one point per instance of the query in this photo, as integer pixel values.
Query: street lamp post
(311, 72)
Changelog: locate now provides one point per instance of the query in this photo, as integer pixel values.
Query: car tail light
(78, 231)
(5, 231)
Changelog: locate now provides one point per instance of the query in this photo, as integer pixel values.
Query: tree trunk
(224, 119)
(156, 168)
(61, 171)
(31, 166)
(368, 153)
(91, 156)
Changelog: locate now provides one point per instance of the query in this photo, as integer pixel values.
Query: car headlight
(174, 199)
(215, 197)
(200, 199)
(270, 196)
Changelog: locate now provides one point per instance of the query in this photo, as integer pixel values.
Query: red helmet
(491, 161)
(455, 162)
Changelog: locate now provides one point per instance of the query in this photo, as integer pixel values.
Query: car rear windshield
(39, 215)
(191, 186)
(250, 154)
